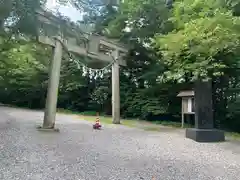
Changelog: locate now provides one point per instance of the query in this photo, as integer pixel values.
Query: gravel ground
(115, 153)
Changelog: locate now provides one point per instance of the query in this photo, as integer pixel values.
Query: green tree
(205, 31)
(23, 72)
(203, 46)
(134, 23)
(19, 15)
(140, 19)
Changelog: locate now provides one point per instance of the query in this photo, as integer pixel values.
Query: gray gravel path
(115, 153)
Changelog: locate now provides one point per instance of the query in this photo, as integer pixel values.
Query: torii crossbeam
(95, 44)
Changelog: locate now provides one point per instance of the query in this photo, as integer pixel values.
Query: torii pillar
(115, 90)
(53, 84)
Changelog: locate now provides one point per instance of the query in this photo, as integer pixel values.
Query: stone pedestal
(205, 135)
(40, 128)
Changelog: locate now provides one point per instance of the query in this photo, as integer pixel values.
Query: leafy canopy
(139, 19)
(19, 15)
(206, 34)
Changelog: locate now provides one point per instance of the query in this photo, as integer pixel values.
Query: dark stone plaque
(204, 123)
(203, 105)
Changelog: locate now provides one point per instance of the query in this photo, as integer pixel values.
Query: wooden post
(53, 83)
(182, 114)
(115, 91)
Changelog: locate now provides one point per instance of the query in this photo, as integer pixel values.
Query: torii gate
(95, 43)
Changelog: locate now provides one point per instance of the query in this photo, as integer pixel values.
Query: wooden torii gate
(96, 51)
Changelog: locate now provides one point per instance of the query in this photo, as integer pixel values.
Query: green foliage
(143, 18)
(19, 16)
(232, 119)
(100, 95)
(205, 44)
(140, 105)
(204, 31)
(21, 74)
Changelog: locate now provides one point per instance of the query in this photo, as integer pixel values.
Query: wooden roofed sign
(188, 103)
(96, 47)
(186, 94)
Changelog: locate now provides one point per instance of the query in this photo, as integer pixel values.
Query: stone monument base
(205, 135)
(40, 128)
